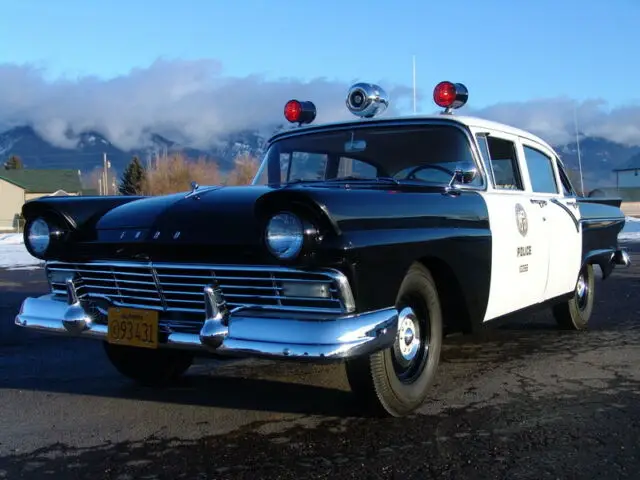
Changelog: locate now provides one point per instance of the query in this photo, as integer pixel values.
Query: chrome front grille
(179, 287)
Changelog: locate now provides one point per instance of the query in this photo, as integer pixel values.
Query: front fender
(381, 260)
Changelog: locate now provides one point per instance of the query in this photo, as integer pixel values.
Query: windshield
(425, 153)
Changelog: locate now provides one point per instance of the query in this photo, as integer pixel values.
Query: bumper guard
(234, 332)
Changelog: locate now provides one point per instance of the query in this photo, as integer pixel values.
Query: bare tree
(174, 173)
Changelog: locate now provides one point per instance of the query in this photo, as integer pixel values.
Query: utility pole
(106, 164)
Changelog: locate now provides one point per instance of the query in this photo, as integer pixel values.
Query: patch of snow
(631, 230)
(14, 255)
(11, 238)
(629, 236)
(6, 144)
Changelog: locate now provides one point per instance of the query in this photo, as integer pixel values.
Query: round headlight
(38, 236)
(285, 235)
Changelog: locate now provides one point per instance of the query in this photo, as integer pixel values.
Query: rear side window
(567, 188)
(541, 173)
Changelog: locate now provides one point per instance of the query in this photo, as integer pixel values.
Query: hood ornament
(193, 192)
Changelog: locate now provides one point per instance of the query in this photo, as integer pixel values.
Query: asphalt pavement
(522, 401)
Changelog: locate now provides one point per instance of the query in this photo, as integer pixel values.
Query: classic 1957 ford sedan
(363, 242)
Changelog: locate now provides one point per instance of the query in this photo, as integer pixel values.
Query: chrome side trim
(576, 222)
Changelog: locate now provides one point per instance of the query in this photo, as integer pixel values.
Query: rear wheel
(575, 313)
(146, 366)
(396, 381)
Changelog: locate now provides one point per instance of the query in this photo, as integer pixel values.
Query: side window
(352, 167)
(504, 163)
(543, 179)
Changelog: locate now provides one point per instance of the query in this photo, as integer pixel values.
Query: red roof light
(450, 95)
(292, 110)
(299, 112)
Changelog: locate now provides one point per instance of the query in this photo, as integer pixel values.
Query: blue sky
(502, 49)
(233, 64)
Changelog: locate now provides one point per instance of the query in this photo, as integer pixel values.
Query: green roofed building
(21, 185)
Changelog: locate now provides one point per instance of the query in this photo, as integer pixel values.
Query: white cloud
(192, 102)
(188, 101)
(554, 119)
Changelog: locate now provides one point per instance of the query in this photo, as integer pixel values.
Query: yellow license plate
(133, 327)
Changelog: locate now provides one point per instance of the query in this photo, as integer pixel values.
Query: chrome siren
(367, 100)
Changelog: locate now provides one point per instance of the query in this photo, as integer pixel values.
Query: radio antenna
(575, 122)
(414, 84)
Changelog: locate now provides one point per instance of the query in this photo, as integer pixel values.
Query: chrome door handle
(573, 204)
(541, 203)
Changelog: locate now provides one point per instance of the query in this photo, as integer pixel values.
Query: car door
(520, 248)
(560, 214)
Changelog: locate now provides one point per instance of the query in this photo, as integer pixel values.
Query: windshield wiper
(365, 179)
(301, 180)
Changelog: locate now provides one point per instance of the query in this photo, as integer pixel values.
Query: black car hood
(213, 215)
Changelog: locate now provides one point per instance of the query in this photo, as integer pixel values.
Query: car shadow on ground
(72, 366)
(289, 388)
(474, 441)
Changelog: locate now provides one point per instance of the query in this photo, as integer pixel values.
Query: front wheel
(576, 312)
(396, 381)
(148, 367)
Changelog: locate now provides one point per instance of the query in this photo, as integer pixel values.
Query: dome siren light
(450, 95)
(299, 112)
(366, 100)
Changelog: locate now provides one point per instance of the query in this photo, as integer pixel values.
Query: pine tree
(133, 177)
(14, 163)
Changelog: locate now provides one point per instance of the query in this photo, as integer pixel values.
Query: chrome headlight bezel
(285, 235)
(42, 236)
(37, 237)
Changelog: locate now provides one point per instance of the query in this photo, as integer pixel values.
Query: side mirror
(461, 177)
(464, 176)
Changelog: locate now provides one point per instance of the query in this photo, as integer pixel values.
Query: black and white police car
(363, 242)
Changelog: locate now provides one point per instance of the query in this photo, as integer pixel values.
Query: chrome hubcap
(408, 339)
(582, 291)
(581, 288)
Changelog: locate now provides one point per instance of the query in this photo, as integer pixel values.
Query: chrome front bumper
(235, 332)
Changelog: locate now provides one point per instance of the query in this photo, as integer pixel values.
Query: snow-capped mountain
(87, 154)
(599, 156)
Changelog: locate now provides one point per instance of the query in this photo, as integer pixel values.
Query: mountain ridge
(599, 156)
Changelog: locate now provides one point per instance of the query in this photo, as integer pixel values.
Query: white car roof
(468, 121)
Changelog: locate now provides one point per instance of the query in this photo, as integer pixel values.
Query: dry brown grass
(174, 173)
(244, 171)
